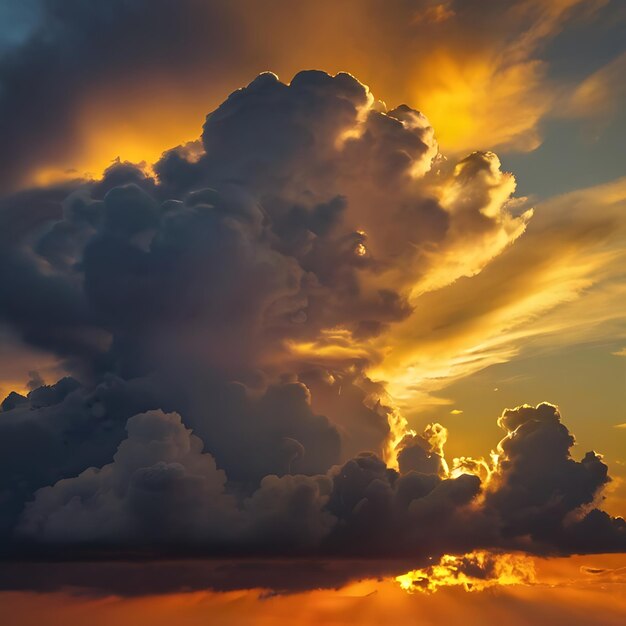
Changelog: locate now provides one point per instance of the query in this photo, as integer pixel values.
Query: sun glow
(475, 571)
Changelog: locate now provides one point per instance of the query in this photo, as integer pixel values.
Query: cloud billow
(218, 317)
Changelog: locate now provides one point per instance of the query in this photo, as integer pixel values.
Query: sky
(316, 306)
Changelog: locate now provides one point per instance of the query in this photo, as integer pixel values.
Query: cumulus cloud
(162, 491)
(423, 453)
(220, 319)
(159, 486)
(539, 490)
(82, 104)
(309, 209)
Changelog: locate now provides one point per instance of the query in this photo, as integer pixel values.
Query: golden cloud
(476, 71)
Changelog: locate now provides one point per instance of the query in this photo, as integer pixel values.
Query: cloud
(476, 571)
(221, 318)
(158, 473)
(537, 484)
(291, 216)
(126, 578)
(560, 283)
(163, 493)
(601, 93)
(424, 453)
(463, 63)
(608, 574)
(258, 257)
(367, 602)
(61, 430)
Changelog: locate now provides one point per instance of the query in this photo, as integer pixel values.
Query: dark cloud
(275, 227)
(58, 431)
(352, 402)
(163, 493)
(423, 453)
(541, 491)
(139, 578)
(215, 320)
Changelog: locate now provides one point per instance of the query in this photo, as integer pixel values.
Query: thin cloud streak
(561, 284)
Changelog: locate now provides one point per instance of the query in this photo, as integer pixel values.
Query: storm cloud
(217, 317)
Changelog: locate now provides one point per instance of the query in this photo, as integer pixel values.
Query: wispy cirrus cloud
(561, 283)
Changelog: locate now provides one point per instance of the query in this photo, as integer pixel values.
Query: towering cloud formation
(218, 316)
(73, 70)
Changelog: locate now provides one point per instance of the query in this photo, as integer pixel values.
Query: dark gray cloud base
(187, 426)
